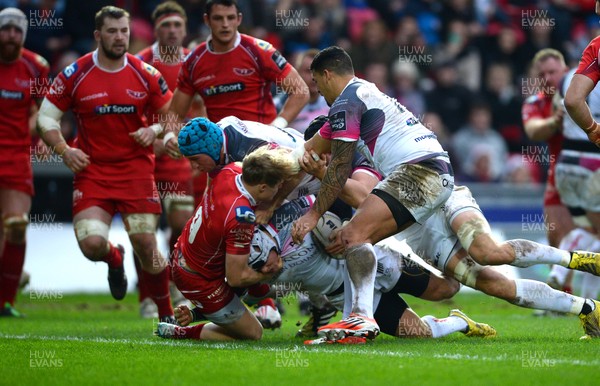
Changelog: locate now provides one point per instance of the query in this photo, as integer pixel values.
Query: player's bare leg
(141, 229)
(440, 288)
(91, 229)
(559, 223)
(522, 292)
(474, 233)
(372, 222)
(14, 208)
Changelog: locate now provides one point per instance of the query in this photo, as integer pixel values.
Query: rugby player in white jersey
(417, 174)
(457, 239)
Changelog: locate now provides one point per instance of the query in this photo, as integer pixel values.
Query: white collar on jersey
(95, 59)
(242, 189)
(349, 83)
(238, 39)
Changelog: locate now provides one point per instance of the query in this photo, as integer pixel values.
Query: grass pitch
(91, 339)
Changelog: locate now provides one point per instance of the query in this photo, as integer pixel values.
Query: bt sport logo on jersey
(115, 109)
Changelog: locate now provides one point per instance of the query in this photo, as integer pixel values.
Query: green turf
(91, 339)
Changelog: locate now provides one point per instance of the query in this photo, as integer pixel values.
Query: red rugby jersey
(236, 82)
(588, 65)
(223, 223)
(108, 105)
(167, 168)
(540, 106)
(21, 82)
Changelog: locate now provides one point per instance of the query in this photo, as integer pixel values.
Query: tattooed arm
(338, 172)
(335, 178)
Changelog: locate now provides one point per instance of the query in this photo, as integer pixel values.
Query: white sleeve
(49, 116)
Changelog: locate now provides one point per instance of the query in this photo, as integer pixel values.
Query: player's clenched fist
(183, 315)
(75, 159)
(171, 145)
(144, 136)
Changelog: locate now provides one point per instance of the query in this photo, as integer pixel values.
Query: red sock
(13, 259)
(143, 291)
(158, 287)
(267, 302)
(113, 258)
(190, 332)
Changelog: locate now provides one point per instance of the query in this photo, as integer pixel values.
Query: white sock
(362, 267)
(445, 326)
(559, 273)
(593, 247)
(578, 239)
(528, 253)
(538, 295)
(590, 285)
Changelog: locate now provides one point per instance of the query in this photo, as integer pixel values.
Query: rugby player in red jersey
(110, 92)
(542, 122)
(233, 73)
(211, 256)
(173, 176)
(20, 70)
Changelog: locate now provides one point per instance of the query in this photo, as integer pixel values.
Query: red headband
(163, 18)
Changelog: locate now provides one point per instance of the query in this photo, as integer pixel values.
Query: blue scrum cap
(201, 136)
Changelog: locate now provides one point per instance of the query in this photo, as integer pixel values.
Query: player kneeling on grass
(310, 269)
(211, 255)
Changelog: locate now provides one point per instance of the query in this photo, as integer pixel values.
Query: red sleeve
(43, 72)
(588, 65)
(185, 82)
(274, 65)
(157, 86)
(530, 110)
(238, 237)
(61, 92)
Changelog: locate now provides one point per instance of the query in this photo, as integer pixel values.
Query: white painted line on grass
(355, 350)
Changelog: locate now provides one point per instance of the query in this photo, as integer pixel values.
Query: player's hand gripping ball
(327, 224)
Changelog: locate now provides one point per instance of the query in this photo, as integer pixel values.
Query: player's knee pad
(470, 230)
(140, 223)
(183, 204)
(90, 227)
(15, 226)
(467, 271)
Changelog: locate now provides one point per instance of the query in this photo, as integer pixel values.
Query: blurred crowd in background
(461, 66)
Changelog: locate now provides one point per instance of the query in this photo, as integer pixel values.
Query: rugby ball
(328, 223)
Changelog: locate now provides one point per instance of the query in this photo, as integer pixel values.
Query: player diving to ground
(211, 254)
(315, 272)
(457, 239)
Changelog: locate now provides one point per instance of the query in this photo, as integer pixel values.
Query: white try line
(355, 350)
